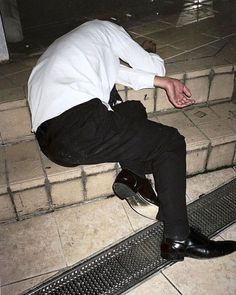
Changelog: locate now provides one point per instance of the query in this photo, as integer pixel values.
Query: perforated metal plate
(120, 267)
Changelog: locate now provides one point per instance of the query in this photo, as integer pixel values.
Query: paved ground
(129, 14)
(34, 249)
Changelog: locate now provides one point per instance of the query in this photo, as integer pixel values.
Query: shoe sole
(123, 191)
(136, 201)
(172, 257)
(180, 257)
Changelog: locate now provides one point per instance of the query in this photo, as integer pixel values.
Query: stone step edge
(206, 86)
(189, 78)
(17, 104)
(9, 141)
(16, 198)
(198, 154)
(204, 144)
(52, 208)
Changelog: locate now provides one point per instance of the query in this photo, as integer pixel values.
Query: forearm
(134, 78)
(131, 52)
(161, 82)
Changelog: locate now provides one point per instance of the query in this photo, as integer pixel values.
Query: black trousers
(90, 134)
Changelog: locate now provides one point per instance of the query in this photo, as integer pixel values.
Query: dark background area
(45, 20)
(42, 16)
(55, 17)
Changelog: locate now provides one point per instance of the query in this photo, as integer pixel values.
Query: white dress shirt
(85, 64)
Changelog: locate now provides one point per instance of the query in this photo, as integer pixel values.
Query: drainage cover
(125, 264)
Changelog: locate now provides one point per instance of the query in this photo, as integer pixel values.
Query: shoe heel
(173, 256)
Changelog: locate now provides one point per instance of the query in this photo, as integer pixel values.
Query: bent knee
(177, 139)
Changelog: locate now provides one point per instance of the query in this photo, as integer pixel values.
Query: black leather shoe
(138, 192)
(195, 246)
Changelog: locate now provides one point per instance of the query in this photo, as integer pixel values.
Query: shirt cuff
(145, 80)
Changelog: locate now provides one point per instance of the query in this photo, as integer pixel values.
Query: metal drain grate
(122, 266)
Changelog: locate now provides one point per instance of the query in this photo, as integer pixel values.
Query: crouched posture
(77, 121)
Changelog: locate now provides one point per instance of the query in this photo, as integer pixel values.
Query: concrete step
(30, 184)
(208, 86)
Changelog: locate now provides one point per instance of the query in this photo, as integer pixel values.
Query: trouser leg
(90, 134)
(134, 110)
(169, 170)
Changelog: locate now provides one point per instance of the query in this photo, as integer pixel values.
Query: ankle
(177, 237)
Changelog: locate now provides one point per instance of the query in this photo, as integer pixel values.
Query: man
(69, 93)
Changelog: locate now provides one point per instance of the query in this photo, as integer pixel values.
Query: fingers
(178, 94)
(186, 91)
(184, 98)
(183, 102)
(149, 46)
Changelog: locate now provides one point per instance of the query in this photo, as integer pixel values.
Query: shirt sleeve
(144, 65)
(136, 79)
(131, 52)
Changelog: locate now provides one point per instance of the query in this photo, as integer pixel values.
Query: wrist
(160, 82)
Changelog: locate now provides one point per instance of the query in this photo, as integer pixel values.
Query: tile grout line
(7, 105)
(59, 235)
(210, 79)
(209, 146)
(47, 184)
(200, 46)
(221, 233)
(17, 72)
(84, 177)
(30, 278)
(9, 191)
(155, 99)
(171, 283)
(15, 108)
(56, 209)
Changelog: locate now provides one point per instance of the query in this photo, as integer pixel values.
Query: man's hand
(149, 46)
(178, 94)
